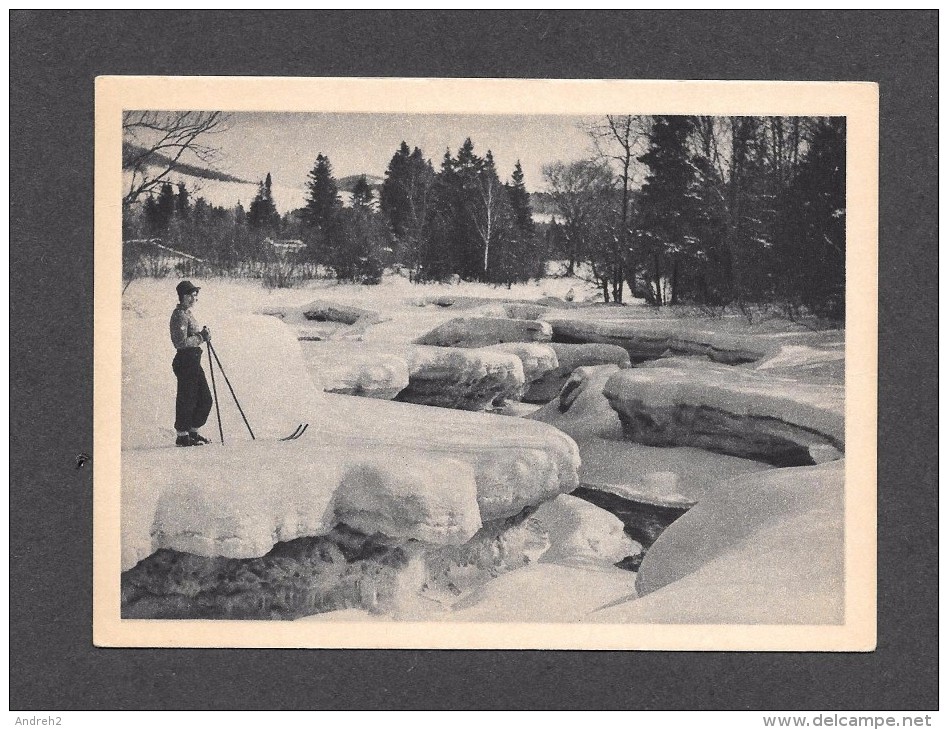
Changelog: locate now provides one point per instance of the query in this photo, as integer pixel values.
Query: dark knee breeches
(193, 403)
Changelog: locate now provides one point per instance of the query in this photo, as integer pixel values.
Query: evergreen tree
(394, 195)
(263, 214)
(362, 195)
(182, 205)
(323, 198)
(520, 201)
(665, 230)
(159, 211)
(812, 253)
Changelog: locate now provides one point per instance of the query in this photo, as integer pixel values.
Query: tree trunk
(659, 295)
(674, 282)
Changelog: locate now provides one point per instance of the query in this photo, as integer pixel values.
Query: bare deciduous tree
(155, 142)
(620, 139)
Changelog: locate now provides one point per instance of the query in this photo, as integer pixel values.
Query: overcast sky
(286, 144)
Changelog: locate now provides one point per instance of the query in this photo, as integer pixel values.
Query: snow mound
(738, 411)
(261, 358)
(350, 368)
(483, 331)
(580, 533)
(764, 548)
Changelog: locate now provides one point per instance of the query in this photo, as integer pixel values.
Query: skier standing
(193, 401)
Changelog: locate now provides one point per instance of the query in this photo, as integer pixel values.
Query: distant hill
(347, 183)
(156, 159)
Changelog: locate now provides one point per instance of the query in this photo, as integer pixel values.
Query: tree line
(713, 210)
(698, 209)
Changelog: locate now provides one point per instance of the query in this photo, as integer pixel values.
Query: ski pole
(230, 388)
(217, 406)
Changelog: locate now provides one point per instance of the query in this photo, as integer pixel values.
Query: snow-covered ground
(456, 483)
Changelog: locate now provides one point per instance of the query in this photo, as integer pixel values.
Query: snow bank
(761, 549)
(261, 358)
(516, 462)
(482, 331)
(236, 501)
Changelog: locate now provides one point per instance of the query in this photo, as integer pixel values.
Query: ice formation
(431, 474)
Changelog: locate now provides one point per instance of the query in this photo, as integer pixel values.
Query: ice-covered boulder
(569, 357)
(538, 359)
(516, 462)
(733, 411)
(465, 379)
(581, 410)
(261, 358)
(234, 501)
(434, 501)
(765, 548)
(647, 339)
(580, 532)
(323, 320)
(351, 368)
(482, 331)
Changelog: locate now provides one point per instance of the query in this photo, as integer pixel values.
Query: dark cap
(185, 288)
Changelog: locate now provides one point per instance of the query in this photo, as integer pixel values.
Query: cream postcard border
(858, 102)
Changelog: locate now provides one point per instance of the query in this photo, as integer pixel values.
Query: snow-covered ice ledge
(429, 474)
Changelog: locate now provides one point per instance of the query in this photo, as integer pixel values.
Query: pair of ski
(300, 430)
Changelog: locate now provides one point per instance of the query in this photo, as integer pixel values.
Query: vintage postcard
(475, 363)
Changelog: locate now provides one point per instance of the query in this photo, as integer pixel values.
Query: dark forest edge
(722, 213)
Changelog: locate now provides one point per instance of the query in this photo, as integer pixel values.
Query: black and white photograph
(487, 375)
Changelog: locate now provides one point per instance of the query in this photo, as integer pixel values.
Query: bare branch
(154, 143)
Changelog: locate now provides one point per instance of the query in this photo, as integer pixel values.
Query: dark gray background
(54, 60)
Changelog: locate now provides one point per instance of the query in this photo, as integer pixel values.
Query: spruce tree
(394, 196)
(520, 201)
(665, 220)
(159, 211)
(263, 214)
(323, 199)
